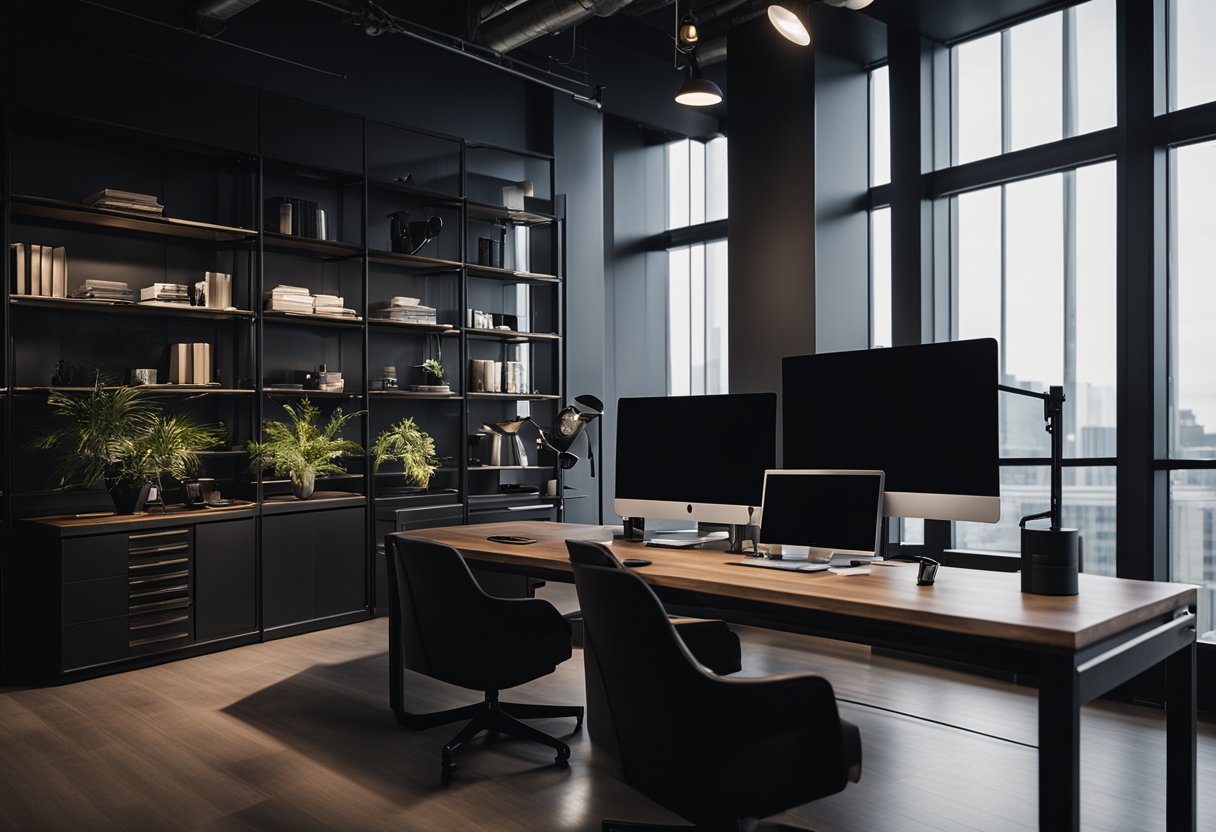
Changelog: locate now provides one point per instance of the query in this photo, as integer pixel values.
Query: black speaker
(1050, 560)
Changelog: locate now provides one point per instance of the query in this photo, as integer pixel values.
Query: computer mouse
(636, 562)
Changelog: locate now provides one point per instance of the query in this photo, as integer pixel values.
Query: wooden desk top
(989, 604)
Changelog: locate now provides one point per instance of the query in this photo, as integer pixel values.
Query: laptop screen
(836, 510)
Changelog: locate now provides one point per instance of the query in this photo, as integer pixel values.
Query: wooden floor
(296, 735)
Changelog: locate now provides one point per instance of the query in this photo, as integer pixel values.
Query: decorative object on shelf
(408, 179)
(406, 237)
(120, 437)
(40, 271)
(408, 444)
(115, 291)
(296, 217)
(503, 321)
(300, 450)
(214, 291)
(325, 381)
(387, 381)
(513, 195)
(142, 376)
(489, 252)
(432, 368)
(511, 428)
(404, 310)
(65, 373)
(485, 375)
(190, 364)
(131, 201)
(476, 319)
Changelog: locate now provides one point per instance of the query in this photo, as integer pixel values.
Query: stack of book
(165, 293)
(126, 201)
(289, 299)
(190, 364)
(331, 306)
(325, 381)
(111, 290)
(41, 271)
(404, 310)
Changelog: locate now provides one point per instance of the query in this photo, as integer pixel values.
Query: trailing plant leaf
(291, 449)
(409, 444)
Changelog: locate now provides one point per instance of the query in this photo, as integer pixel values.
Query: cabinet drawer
(95, 643)
(89, 558)
(94, 600)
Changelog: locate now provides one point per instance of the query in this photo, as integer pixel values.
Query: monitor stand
(740, 535)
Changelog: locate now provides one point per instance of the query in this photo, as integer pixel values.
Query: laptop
(817, 518)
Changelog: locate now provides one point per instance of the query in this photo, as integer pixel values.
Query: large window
(1035, 83)
(880, 216)
(1033, 264)
(1192, 64)
(697, 297)
(1192, 392)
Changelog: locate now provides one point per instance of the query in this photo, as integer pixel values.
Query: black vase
(128, 499)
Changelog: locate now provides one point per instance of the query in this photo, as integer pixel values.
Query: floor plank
(296, 735)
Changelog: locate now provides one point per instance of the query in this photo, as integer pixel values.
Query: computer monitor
(697, 458)
(925, 415)
(827, 512)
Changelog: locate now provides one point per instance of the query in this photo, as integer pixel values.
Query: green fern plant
(301, 450)
(409, 444)
(169, 446)
(433, 367)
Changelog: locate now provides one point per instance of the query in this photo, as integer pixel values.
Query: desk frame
(1067, 678)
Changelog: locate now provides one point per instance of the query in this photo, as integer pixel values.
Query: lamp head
(591, 403)
(699, 92)
(793, 25)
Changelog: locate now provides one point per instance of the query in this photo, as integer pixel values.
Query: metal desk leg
(1059, 746)
(1180, 743)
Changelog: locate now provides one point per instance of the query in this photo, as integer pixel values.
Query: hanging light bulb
(793, 26)
(688, 34)
(698, 91)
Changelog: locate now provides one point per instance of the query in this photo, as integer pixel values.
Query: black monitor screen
(696, 449)
(926, 415)
(828, 511)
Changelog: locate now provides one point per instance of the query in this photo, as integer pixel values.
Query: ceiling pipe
(222, 9)
(525, 23)
(712, 48)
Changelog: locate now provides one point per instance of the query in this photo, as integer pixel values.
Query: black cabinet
(314, 566)
(225, 580)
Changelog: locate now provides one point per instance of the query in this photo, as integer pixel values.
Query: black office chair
(453, 631)
(715, 751)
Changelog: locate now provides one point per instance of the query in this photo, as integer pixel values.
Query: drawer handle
(140, 642)
(154, 550)
(166, 590)
(155, 579)
(146, 535)
(177, 619)
(170, 604)
(156, 563)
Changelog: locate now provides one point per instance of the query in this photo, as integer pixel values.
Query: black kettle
(409, 237)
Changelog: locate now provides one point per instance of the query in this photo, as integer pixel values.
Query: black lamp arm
(1053, 414)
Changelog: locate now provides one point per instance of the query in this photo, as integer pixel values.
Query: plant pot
(303, 483)
(128, 498)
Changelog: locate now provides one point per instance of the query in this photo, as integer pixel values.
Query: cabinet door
(225, 578)
(288, 569)
(341, 553)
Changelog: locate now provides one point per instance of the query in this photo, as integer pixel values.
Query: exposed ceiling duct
(530, 20)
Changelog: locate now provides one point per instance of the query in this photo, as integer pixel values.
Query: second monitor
(698, 458)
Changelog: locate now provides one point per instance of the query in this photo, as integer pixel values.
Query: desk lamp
(1050, 556)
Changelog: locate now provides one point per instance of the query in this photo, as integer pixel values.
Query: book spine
(200, 364)
(36, 270)
(179, 363)
(59, 272)
(21, 268)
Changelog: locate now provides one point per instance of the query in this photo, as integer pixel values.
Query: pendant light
(792, 21)
(697, 90)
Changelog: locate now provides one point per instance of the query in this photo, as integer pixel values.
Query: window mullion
(1006, 92)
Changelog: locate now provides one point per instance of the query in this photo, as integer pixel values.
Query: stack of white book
(165, 293)
(404, 310)
(41, 271)
(289, 299)
(190, 364)
(112, 290)
(126, 201)
(331, 306)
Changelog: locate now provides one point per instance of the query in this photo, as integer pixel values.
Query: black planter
(128, 499)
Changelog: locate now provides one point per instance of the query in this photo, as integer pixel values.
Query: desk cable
(936, 722)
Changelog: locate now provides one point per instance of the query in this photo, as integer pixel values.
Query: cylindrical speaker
(1050, 561)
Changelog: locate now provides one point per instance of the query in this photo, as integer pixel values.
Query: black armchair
(714, 751)
(444, 626)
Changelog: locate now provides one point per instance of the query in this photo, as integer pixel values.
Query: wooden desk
(1079, 647)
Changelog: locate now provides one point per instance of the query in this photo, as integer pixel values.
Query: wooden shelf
(517, 397)
(272, 241)
(411, 262)
(312, 394)
(423, 329)
(510, 275)
(72, 525)
(414, 394)
(416, 194)
(511, 337)
(109, 307)
(149, 389)
(488, 212)
(473, 468)
(37, 207)
(303, 319)
(320, 173)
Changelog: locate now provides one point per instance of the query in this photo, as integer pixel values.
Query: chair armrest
(526, 615)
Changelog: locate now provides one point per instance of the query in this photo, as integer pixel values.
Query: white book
(59, 272)
(36, 270)
(289, 290)
(200, 361)
(120, 285)
(21, 268)
(180, 363)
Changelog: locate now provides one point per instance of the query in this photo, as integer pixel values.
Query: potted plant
(432, 369)
(118, 436)
(408, 444)
(300, 450)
